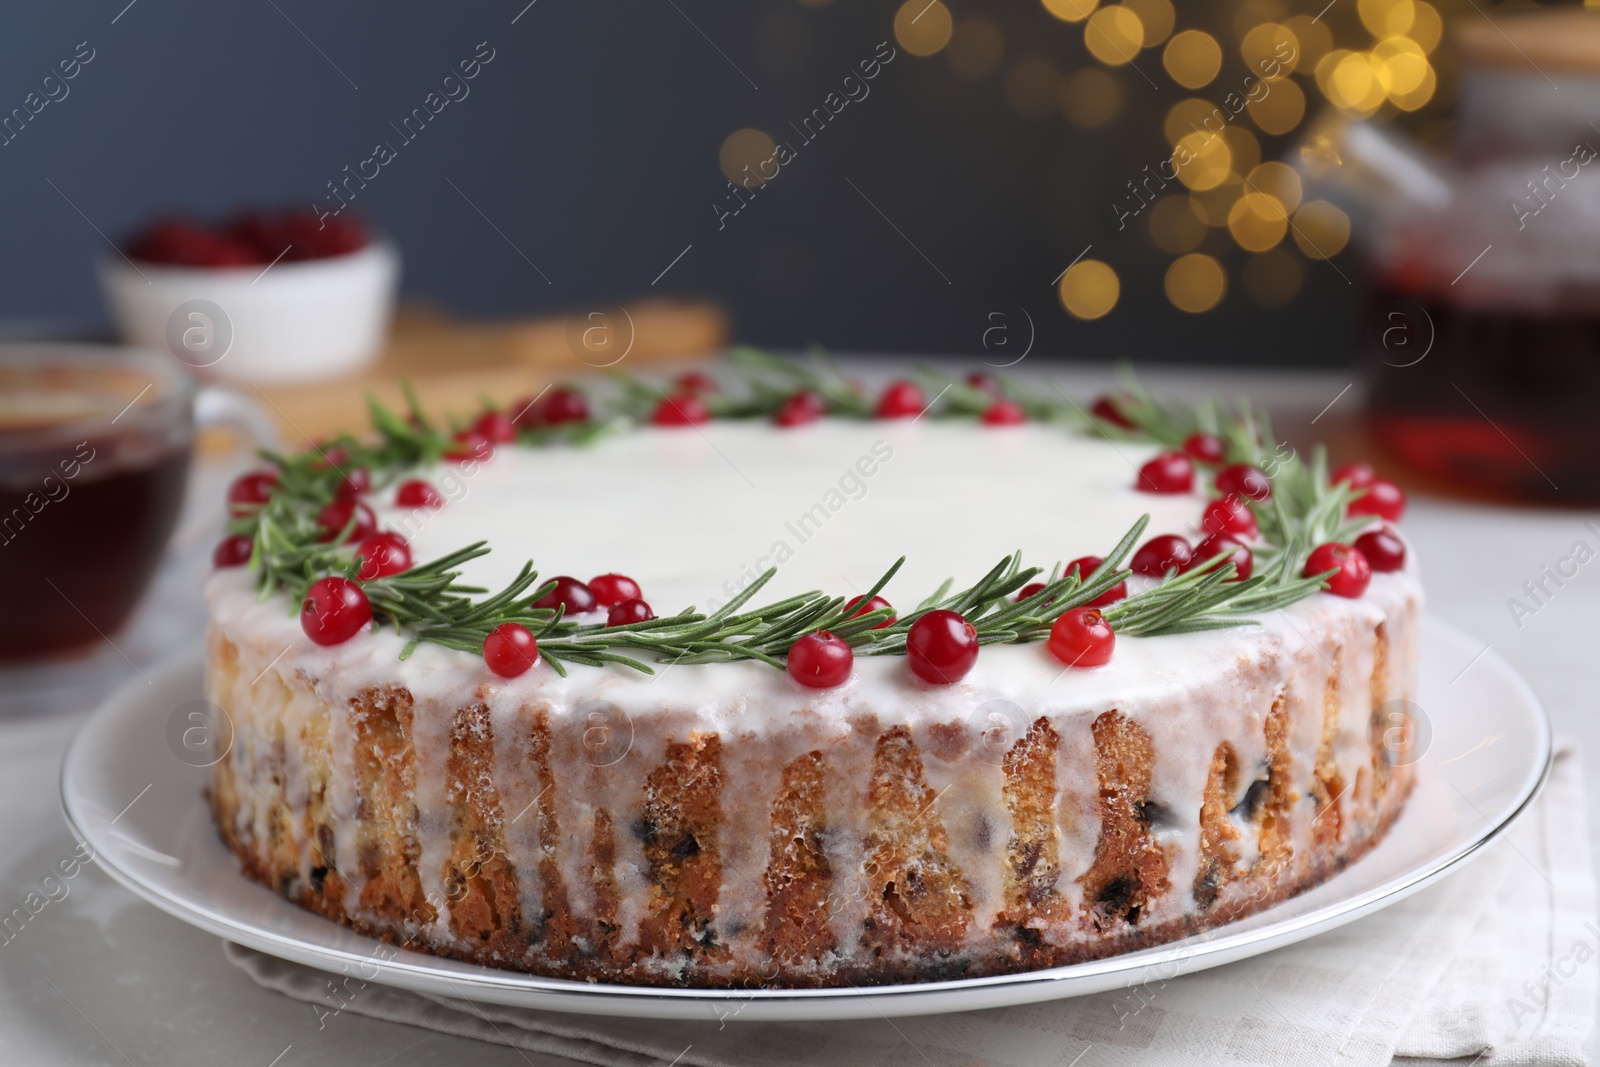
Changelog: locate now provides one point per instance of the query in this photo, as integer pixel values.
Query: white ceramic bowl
(291, 322)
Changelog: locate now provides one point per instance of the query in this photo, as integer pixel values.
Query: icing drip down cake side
(719, 824)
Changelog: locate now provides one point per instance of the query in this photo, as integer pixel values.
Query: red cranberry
(983, 383)
(357, 480)
(329, 455)
(510, 650)
(418, 494)
(877, 603)
(1243, 480)
(696, 382)
(801, 408)
(1004, 412)
(1106, 408)
(1086, 566)
(382, 554)
(1203, 447)
(1169, 472)
(337, 515)
(1356, 475)
(233, 551)
(1351, 572)
(1081, 638)
(941, 647)
(1384, 499)
(525, 413)
(612, 589)
(1031, 588)
(469, 445)
(1383, 548)
(1219, 544)
(569, 593)
(1161, 554)
(901, 400)
(629, 611)
(1230, 515)
(495, 427)
(249, 491)
(335, 610)
(685, 409)
(562, 405)
(820, 660)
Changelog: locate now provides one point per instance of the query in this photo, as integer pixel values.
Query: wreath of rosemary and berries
(1277, 530)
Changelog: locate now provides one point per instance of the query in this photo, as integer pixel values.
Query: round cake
(695, 794)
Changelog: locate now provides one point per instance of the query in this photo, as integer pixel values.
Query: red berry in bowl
(1107, 409)
(1384, 499)
(1160, 554)
(233, 551)
(382, 554)
(469, 445)
(629, 611)
(820, 660)
(562, 405)
(1169, 472)
(801, 408)
(249, 491)
(1356, 475)
(495, 427)
(570, 594)
(1243, 480)
(877, 603)
(334, 611)
(1384, 550)
(612, 589)
(1086, 566)
(1004, 412)
(941, 647)
(1230, 515)
(1351, 572)
(901, 400)
(356, 480)
(685, 409)
(1219, 545)
(418, 494)
(1203, 447)
(510, 650)
(1082, 638)
(337, 515)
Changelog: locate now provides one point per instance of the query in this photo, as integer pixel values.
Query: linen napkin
(1498, 961)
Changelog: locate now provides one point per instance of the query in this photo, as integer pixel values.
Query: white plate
(140, 807)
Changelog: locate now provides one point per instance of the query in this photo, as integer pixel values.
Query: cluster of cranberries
(248, 239)
(510, 649)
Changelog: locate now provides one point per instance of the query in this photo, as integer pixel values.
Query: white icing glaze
(692, 514)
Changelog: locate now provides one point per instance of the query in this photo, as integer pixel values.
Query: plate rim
(1196, 952)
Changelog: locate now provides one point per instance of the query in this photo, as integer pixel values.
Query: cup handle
(217, 406)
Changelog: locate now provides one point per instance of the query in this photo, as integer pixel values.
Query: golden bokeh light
(1114, 35)
(1426, 26)
(1071, 10)
(1280, 109)
(1192, 58)
(1278, 180)
(1386, 18)
(1189, 116)
(976, 46)
(1320, 229)
(1244, 151)
(1031, 88)
(1404, 62)
(1263, 46)
(1157, 16)
(1089, 289)
(746, 148)
(1212, 206)
(1257, 221)
(1196, 283)
(1174, 226)
(1091, 97)
(922, 27)
(1316, 40)
(1415, 98)
(1202, 160)
(1273, 278)
(1352, 81)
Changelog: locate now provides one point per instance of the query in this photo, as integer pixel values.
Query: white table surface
(98, 977)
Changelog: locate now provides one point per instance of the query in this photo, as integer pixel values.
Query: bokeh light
(1320, 229)
(1192, 58)
(976, 47)
(922, 27)
(1091, 97)
(1278, 180)
(1189, 116)
(1196, 283)
(1202, 160)
(1314, 37)
(1280, 109)
(1386, 18)
(1071, 10)
(1257, 221)
(1244, 151)
(1114, 35)
(1157, 16)
(1089, 289)
(1426, 26)
(1212, 206)
(1264, 45)
(745, 148)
